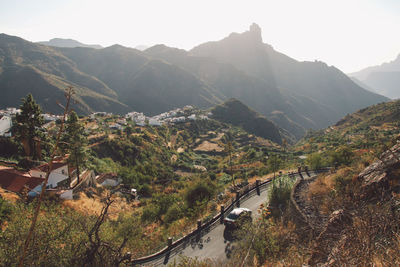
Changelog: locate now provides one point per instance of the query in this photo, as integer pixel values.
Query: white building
(10, 112)
(116, 126)
(58, 173)
(154, 122)
(121, 121)
(179, 119)
(50, 117)
(108, 179)
(5, 125)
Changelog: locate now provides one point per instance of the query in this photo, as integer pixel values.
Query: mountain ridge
(236, 113)
(71, 43)
(384, 78)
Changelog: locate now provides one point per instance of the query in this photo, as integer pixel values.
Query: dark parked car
(237, 217)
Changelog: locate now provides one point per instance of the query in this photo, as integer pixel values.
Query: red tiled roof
(16, 181)
(45, 167)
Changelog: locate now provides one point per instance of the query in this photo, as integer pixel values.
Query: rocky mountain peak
(255, 31)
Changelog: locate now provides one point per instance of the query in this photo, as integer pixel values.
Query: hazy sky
(350, 34)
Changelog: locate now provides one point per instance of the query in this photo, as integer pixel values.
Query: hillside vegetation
(238, 114)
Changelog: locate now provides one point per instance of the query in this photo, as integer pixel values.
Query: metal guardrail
(173, 248)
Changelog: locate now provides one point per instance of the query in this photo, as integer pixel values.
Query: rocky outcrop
(377, 178)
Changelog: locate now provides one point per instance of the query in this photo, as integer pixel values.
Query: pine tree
(28, 124)
(74, 143)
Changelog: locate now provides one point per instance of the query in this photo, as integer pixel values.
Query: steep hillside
(145, 84)
(27, 67)
(234, 83)
(368, 128)
(115, 79)
(384, 79)
(238, 114)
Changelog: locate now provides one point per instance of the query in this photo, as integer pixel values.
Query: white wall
(5, 125)
(68, 194)
(55, 177)
(111, 182)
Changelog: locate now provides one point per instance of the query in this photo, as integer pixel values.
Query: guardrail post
(237, 199)
(169, 242)
(258, 187)
(306, 170)
(198, 225)
(299, 171)
(222, 214)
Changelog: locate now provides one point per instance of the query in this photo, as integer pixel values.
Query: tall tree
(28, 124)
(74, 143)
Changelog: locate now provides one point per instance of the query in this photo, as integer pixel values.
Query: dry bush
(93, 205)
(373, 237)
(318, 194)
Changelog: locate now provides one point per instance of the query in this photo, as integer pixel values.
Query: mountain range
(295, 95)
(383, 79)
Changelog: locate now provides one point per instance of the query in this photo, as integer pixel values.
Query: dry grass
(9, 196)
(93, 205)
(208, 146)
(321, 186)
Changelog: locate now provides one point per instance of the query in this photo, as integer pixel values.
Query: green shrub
(5, 210)
(213, 176)
(279, 193)
(173, 213)
(201, 191)
(314, 161)
(150, 213)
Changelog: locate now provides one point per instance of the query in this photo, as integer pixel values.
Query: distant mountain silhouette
(383, 79)
(59, 42)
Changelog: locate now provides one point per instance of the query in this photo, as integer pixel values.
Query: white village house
(58, 173)
(5, 125)
(108, 179)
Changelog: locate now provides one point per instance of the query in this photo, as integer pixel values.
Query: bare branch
(69, 93)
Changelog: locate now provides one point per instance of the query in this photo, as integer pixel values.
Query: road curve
(213, 243)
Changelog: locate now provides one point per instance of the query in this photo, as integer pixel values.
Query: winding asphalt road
(213, 245)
